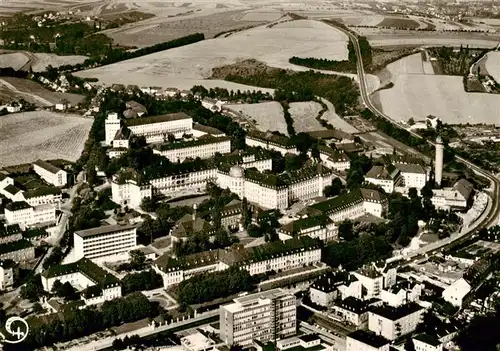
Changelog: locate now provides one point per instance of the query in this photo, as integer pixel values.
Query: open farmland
(192, 64)
(17, 88)
(267, 115)
(41, 61)
(15, 60)
(304, 115)
(29, 136)
(493, 65)
(431, 40)
(399, 23)
(418, 95)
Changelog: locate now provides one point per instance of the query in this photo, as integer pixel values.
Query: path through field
(33, 96)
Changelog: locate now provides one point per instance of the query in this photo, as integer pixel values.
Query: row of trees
(75, 323)
(231, 95)
(348, 65)
(146, 280)
(210, 286)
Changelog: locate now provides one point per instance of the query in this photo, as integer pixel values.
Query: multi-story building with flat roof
(394, 322)
(105, 241)
(20, 212)
(361, 340)
(265, 316)
(6, 274)
(50, 173)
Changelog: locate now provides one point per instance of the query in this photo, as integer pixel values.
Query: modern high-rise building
(266, 316)
(438, 163)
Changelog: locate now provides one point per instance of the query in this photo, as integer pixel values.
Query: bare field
(304, 116)
(418, 95)
(396, 22)
(29, 136)
(15, 60)
(17, 88)
(43, 60)
(493, 65)
(192, 64)
(267, 115)
(386, 40)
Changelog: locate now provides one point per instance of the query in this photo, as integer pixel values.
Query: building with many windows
(279, 255)
(385, 177)
(394, 322)
(412, 175)
(94, 283)
(20, 212)
(361, 340)
(319, 227)
(105, 241)
(270, 141)
(6, 274)
(335, 159)
(426, 342)
(265, 316)
(50, 173)
(205, 147)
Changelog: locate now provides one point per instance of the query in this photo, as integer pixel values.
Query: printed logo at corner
(17, 330)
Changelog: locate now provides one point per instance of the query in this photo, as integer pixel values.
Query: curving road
(489, 219)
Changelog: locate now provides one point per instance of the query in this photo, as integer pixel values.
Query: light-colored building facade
(381, 176)
(26, 216)
(361, 340)
(319, 227)
(50, 173)
(334, 159)
(402, 293)
(6, 274)
(426, 342)
(270, 141)
(394, 322)
(129, 192)
(17, 251)
(203, 148)
(105, 241)
(94, 283)
(412, 175)
(265, 316)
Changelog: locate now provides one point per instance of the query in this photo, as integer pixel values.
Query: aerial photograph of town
(261, 175)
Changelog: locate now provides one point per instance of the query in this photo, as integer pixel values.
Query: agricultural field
(41, 61)
(17, 88)
(266, 115)
(15, 60)
(304, 115)
(422, 38)
(399, 23)
(29, 136)
(192, 64)
(444, 97)
(493, 65)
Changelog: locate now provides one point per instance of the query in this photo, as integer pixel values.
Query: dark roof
(35, 233)
(373, 195)
(464, 187)
(14, 246)
(122, 134)
(339, 202)
(240, 256)
(42, 191)
(8, 230)
(333, 154)
(157, 119)
(11, 189)
(271, 138)
(187, 225)
(309, 337)
(428, 339)
(353, 304)
(17, 205)
(379, 172)
(47, 166)
(297, 226)
(207, 129)
(135, 106)
(104, 230)
(3, 176)
(410, 168)
(395, 313)
(6, 264)
(369, 338)
(329, 282)
(330, 134)
(166, 262)
(92, 271)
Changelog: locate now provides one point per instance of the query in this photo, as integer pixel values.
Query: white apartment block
(391, 323)
(457, 292)
(155, 129)
(371, 280)
(6, 274)
(105, 241)
(94, 283)
(271, 191)
(379, 175)
(270, 141)
(51, 174)
(426, 342)
(351, 205)
(361, 340)
(290, 254)
(412, 175)
(129, 192)
(314, 227)
(334, 159)
(26, 216)
(265, 316)
(12, 192)
(43, 196)
(402, 293)
(202, 148)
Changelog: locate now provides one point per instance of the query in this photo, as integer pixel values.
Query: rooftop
(271, 137)
(207, 129)
(47, 166)
(17, 205)
(338, 202)
(330, 134)
(353, 304)
(373, 195)
(379, 172)
(11, 189)
(14, 246)
(410, 168)
(42, 191)
(190, 143)
(166, 262)
(395, 313)
(330, 281)
(104, 230)
(464, 187)
(297, 226)
(369, 338)
(8, 230)
(157, 119)
(427, 339)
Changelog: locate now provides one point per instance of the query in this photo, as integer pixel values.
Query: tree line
(348, 65)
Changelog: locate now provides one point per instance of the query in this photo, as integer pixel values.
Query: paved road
(489, 219)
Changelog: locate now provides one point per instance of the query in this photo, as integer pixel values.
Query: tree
(68, 292)
(33, 289)
(346, 231)
(246, 215)
(148, 204)
(37, 308)
(411, 121)
(137, 258)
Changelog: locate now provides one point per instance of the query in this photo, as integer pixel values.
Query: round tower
(438, 163)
